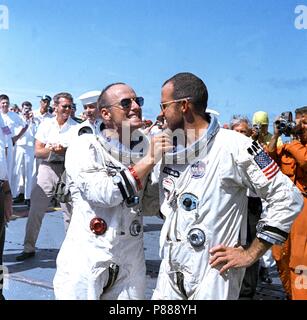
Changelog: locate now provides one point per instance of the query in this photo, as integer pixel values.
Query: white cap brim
(89, 97)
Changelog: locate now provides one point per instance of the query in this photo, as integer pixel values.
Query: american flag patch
(267, 165)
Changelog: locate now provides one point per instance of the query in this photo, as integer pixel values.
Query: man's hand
(159, 145)
(272, 147)
(59, 149)
(254, 133)
(237, 257)
(56, 148)
(229, 258)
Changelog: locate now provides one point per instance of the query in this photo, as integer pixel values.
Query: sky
(248, 52)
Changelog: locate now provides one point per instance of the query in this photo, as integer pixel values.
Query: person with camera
(52, 139)
(260, 131)
(24, 157)
(203, 185)
(102, 256)
(291, 257)
(5, 201)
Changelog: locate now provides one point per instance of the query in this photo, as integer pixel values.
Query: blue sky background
(248, 52)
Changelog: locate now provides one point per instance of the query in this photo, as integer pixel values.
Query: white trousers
(22, 179)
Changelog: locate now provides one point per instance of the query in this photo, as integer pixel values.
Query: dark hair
(301, 110)
(60, 95)
(27, 104)
(102, 100)
(188, 85)
(4, 97)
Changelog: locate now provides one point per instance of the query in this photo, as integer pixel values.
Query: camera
(26, 111)
(285, 125)
(256, 130)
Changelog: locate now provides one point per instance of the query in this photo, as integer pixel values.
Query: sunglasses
(164, 105)
(67, 106)
(126, 103)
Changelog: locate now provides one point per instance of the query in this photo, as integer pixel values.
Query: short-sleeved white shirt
(13, 121)
(50, 132)
(28, 137)
(42, 117)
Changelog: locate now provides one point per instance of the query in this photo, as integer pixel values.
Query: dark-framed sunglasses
(126, 103)
(67, 106)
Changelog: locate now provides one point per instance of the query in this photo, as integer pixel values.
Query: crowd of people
(227, 194)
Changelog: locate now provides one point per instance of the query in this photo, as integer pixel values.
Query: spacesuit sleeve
(85, 168)
(260, 173)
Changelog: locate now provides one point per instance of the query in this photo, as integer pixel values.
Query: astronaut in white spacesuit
(203, 198)
(102, 256)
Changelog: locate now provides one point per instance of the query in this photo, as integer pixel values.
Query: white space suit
(204, 203)
(109, 265)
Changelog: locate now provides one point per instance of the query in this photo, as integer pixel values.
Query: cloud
(288, 83)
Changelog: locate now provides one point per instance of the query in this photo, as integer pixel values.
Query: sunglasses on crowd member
(67, 106)
(126, 103)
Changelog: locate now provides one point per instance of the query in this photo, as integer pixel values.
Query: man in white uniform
(23, 171)
(89, 102)
(52, 139)
(93, 119)
(5, 201)
(203, 198)
(44, 109)
(14, 129)
(102, 256)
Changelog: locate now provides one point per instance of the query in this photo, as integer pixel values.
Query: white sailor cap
(89, 97)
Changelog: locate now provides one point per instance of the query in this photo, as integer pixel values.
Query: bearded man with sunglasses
(102, 256)
(51, 141)
(203, 198)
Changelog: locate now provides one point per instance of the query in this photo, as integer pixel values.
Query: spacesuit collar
(213, 128)
(196, 150)
(120, 151)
